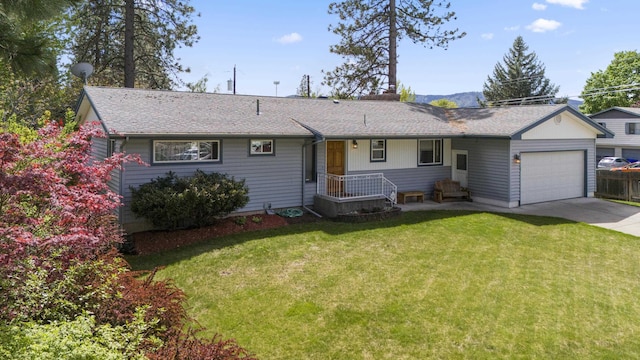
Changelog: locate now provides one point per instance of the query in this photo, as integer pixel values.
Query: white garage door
(546, 176)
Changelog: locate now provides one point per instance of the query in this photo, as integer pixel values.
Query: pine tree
(126, 53)
(26, 41)
(370, 29)
(520, 81)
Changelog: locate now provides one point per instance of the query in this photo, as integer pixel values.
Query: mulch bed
(149, 242)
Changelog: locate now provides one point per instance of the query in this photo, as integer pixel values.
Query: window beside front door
(430, 152)
(378, 150)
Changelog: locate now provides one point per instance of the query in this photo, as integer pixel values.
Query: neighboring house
(288, 150)
(625, 123)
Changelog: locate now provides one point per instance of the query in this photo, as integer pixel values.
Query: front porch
(344, 194)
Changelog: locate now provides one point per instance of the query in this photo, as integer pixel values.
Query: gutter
(318, 140)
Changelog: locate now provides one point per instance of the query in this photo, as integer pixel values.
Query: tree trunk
(393, 35)
(129, 63)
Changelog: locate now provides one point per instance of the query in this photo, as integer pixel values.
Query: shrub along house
(294, 151)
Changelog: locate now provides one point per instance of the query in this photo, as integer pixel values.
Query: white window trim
(440, 152)
(383, 150)
(259, 153)
(155, 142)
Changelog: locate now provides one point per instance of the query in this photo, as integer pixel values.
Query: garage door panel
(547, 176)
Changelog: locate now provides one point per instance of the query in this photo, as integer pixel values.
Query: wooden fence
(618, 185)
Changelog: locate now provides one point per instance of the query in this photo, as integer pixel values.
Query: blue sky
(268, 40)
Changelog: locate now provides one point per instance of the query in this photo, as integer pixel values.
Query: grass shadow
(149, 262)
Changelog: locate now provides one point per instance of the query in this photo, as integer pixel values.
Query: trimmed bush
(172, 202)
(80, 338)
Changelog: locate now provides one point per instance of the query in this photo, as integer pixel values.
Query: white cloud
(538, 6)
(543, 25)
(578, 4)
(290, 38)
(512, 28)
(487, 36)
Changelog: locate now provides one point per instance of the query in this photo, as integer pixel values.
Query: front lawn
(437, 284)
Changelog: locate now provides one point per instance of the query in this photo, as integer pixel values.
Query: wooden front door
(335, 157)
(335, 165)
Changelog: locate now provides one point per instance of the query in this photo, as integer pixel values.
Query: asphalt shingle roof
(156, 112)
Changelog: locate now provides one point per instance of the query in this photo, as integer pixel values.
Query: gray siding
(489, 166)
(273, 179)
(615, 121)
(587, 145)
(99, 151)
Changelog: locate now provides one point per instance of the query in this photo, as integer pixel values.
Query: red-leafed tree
(53, 195)
(57, 262)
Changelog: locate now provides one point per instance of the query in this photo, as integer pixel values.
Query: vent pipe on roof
(257, 107)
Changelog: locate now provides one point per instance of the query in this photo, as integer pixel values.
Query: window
(378, 150)
(430, 152)
(184, 151)
(111, 147)
(310, 163)
(601, 136)
(261, 147)
(632, 128)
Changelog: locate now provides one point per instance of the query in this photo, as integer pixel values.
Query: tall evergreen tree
(131, 42)
(27, 43)
(369, 30)
(520, 81)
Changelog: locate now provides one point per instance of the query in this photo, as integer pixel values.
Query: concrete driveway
(597, 212)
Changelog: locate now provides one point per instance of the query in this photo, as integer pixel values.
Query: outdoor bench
(403, 195)
(450, 189)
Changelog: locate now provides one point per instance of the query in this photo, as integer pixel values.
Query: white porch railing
(345, 187)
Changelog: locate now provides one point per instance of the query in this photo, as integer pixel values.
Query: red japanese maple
(53, 194)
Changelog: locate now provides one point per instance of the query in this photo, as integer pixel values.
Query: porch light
(354, 143)
(516, 158)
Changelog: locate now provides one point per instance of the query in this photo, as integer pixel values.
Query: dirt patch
(149, 242)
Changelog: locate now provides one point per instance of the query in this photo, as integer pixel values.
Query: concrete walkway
(598, 212)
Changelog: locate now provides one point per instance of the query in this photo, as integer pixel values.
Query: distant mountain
(465, 99)
(470, 99)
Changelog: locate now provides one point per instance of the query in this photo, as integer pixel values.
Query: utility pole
(276, 83)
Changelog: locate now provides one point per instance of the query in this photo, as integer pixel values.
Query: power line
(592, 92)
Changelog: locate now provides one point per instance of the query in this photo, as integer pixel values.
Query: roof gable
(561, 126)
(617, 113)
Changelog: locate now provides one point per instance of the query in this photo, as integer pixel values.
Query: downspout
(121, 182)
(304, 167)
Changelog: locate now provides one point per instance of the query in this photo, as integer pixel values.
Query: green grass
(630, 203)
(439, 284)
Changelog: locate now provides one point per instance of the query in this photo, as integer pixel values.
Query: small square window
(261, 147)
(632, 128)
(378, 150)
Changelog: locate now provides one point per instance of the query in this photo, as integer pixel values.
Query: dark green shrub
(172, 202)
